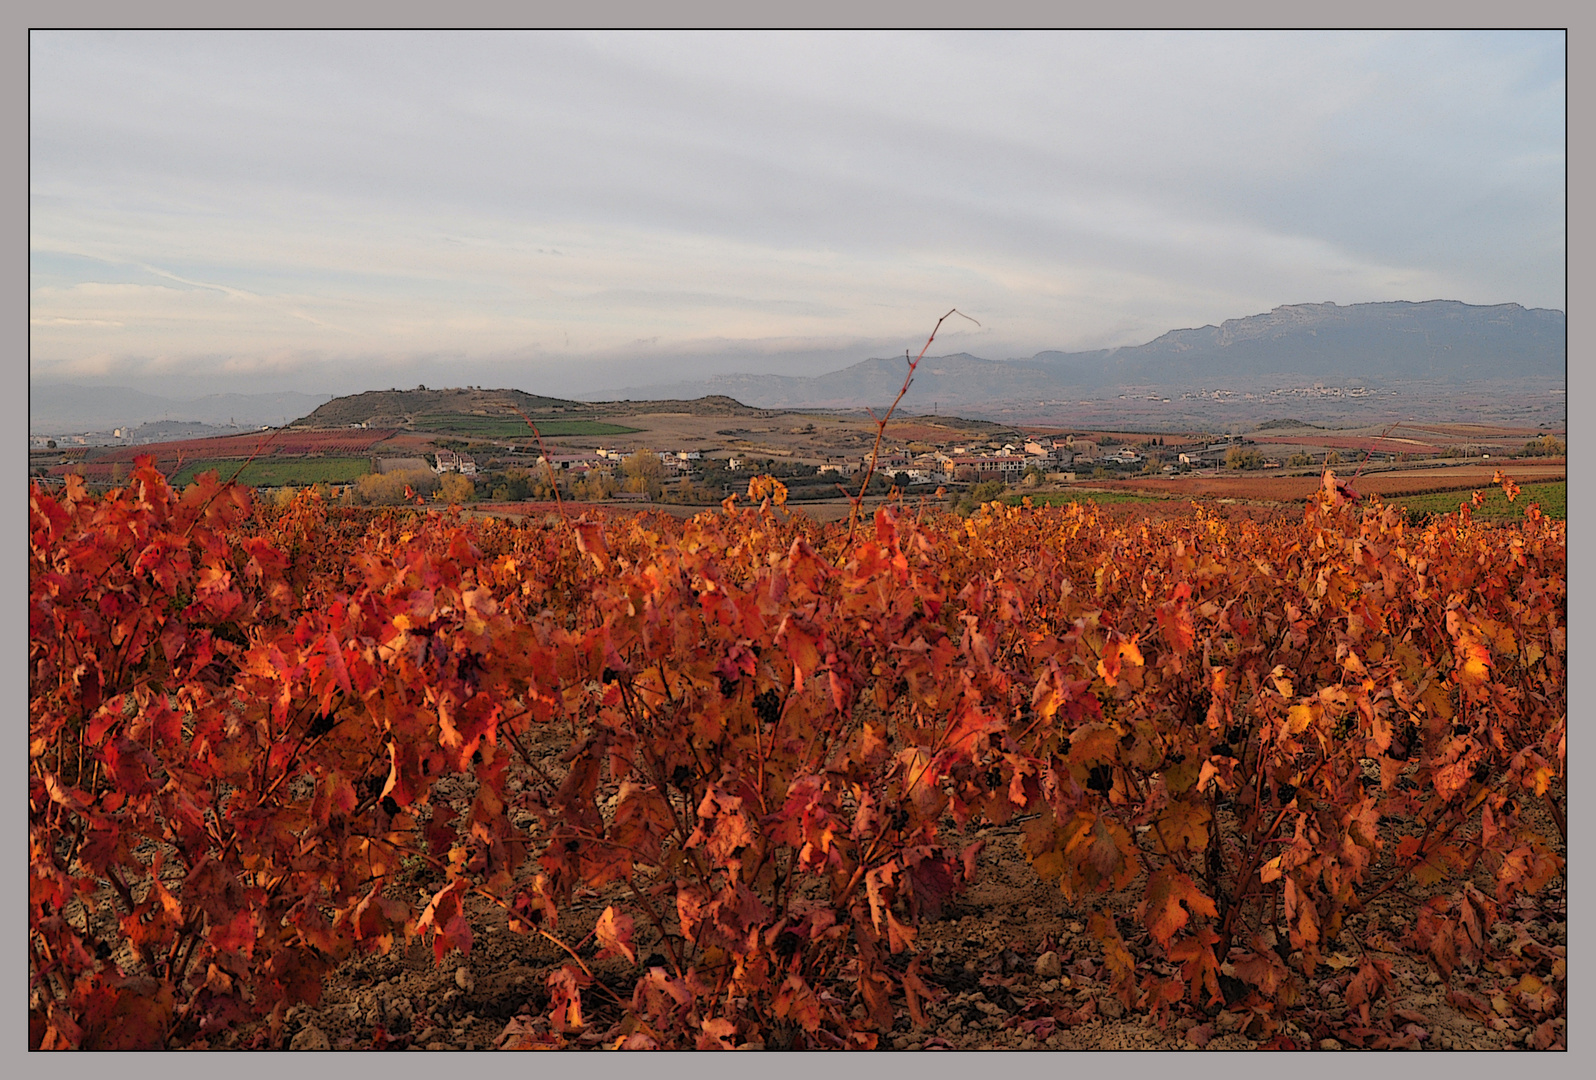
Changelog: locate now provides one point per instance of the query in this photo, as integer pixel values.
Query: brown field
(1387, 445)
(1298, 488)
(1475, 431)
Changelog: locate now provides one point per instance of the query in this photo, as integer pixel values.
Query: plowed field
(1298, 488)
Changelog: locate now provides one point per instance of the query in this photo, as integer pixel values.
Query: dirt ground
(1012, 956)
(1385, 483)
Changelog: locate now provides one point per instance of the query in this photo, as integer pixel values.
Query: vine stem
(547, 464)
(1227, 927)
(881, 423)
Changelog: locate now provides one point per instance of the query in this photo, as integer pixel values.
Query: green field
(279, 472)
(499, 427)
(1060, 498)
(1552, 497)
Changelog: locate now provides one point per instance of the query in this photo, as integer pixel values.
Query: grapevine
(772, 739)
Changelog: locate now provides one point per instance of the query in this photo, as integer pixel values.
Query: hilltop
(401, 408)
(467, 407)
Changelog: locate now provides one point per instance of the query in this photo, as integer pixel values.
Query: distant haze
(1323, 361)
(577, 213)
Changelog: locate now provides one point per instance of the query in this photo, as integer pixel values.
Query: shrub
(980, 494)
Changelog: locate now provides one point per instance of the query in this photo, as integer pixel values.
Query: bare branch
(547, 464)
(881, 423)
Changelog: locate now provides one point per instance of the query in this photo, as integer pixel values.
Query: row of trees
(1545, 446)
(642, 472)
(395, 488)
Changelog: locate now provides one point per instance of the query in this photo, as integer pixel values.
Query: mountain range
(1371, 344)
(1461, 358)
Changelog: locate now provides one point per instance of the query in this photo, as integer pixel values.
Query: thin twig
(1346, 485)
(881, 424)
(547, 464)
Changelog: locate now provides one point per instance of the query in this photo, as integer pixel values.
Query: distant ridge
(1435, 339)
(1378, 342)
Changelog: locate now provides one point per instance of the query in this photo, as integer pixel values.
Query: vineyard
(278, 471)
(352, 443)
(1551, 498)
(744, 780)
(187, 455)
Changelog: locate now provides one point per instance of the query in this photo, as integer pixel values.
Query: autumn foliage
(777, 736)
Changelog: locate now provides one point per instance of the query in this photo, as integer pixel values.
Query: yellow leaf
(1299, 719)
(1542, 778)
(1475, 664)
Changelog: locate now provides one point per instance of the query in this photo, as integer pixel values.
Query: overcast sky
(570, 212)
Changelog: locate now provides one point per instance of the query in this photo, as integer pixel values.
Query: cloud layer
(561, 211)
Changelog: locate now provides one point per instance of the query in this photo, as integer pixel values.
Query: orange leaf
(1172, 898)
(590, 542)
(1183, 826)
(1474, 664)
(614, 933)
(1175, 620)
(796, 1001)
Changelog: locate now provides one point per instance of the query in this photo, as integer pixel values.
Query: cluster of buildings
(675, 463)
(1057, 458)
(1321, 390)
(986, 461)
(974, 462)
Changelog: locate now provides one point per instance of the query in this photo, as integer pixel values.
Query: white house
(1002, 464)
(570, 462)
(449, 461)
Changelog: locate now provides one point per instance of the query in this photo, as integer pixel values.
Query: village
(467, 446)
(711, 473)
